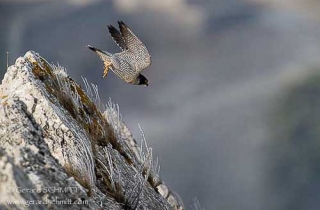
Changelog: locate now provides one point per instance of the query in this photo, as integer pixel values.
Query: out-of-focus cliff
(292, 172)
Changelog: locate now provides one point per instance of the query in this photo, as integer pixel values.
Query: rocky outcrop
(61, 148)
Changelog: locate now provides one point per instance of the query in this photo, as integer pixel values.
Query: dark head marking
(142, 80)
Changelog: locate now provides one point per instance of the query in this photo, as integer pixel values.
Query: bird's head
(142, 80)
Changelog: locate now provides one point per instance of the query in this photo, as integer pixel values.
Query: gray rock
(61, 148)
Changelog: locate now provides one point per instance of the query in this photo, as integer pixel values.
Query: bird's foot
(106, 69)
(105, 72)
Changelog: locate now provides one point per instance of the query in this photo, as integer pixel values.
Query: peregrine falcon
(133, 58)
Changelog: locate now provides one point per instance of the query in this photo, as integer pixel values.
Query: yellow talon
(105, 72)
(106, 69)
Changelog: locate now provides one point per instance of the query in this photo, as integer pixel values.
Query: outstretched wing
(129, 37)
(136, 47)
(117, 38)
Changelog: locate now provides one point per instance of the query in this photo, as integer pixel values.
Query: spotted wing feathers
(129, 37)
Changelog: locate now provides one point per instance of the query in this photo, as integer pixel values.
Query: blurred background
(233, 106)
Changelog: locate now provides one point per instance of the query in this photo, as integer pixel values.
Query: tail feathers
(94, 49)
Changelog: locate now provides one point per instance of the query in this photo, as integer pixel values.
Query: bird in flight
(133, 58)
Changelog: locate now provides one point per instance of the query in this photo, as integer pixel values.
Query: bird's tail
(104, 55)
